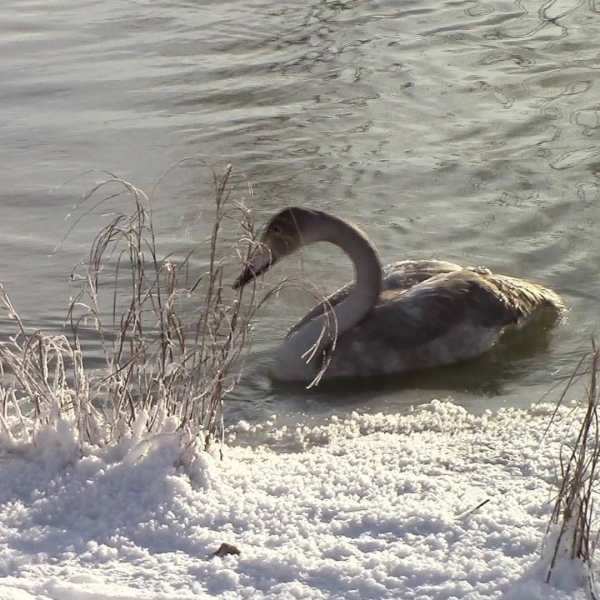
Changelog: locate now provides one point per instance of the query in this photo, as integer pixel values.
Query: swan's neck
(300, 356)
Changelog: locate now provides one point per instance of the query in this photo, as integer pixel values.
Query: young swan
(406, 316)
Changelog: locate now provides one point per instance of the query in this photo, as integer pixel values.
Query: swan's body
(409, 315)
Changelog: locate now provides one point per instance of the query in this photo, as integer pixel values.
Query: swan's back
(432, 313)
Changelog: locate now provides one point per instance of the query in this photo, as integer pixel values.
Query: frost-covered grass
(573, 531)
(171, 344)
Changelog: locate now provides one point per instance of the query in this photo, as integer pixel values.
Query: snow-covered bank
(373, 506)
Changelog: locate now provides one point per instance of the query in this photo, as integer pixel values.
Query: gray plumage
(409, 315)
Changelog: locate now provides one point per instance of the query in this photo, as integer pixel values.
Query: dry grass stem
(171, 348)
(572, 523)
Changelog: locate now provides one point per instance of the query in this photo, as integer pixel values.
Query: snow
(435, 504)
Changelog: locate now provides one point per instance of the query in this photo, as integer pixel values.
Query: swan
(409, 315)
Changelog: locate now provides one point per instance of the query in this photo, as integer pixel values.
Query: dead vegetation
(573, 530)
(172, 348)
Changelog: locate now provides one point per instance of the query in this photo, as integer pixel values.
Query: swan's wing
(431, 309)
(445, 319)
(467, 301)
(397, 277)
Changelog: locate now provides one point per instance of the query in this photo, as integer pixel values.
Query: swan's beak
(261, 260)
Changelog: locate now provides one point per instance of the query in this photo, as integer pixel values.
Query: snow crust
(435, 504)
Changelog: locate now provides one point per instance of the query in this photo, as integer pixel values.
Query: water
(465, 131)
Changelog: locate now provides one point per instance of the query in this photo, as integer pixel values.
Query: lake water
(460, 130)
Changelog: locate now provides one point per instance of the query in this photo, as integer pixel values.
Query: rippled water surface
(466, 131)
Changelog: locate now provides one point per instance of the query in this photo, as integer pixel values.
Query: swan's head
(285, 233)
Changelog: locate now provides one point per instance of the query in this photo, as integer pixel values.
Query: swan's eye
(277, 229)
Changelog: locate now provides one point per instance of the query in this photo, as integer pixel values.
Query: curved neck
(300, 355)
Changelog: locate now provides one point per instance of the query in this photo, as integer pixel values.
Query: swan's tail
(526, 299)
